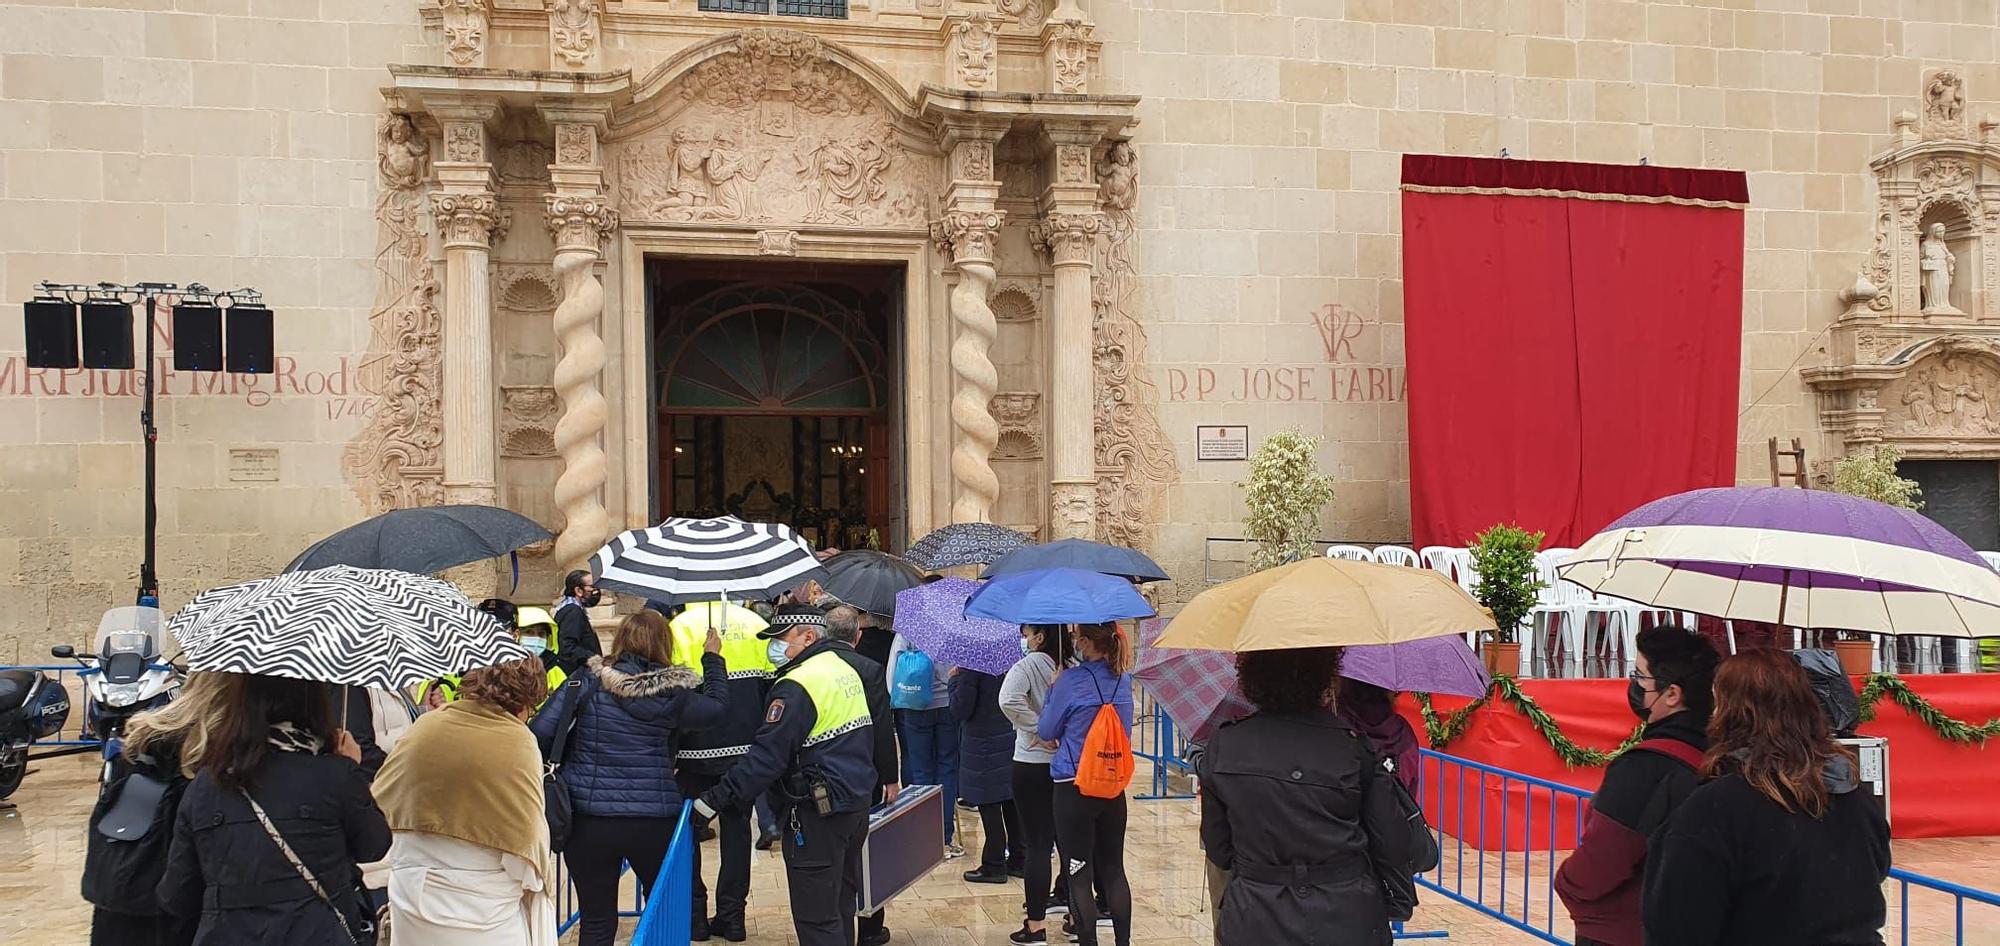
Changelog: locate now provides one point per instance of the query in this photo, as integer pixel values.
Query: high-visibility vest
(743, 652)
(840, 704)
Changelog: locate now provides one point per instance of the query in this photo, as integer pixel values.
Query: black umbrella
(869, 580)
(1083, 555)
(964, 543)
(423, 540)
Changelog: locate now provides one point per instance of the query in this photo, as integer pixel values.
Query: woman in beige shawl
(463, 793)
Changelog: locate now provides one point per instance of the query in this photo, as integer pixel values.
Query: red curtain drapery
(1573, 335)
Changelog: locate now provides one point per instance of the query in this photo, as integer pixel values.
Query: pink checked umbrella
(1200, 685)
(932, 618)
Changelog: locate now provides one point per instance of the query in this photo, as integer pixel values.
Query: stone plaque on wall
(259, 465)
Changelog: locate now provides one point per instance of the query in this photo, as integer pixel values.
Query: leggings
(596, 846)
(1034, 799)
(1001, 825)
(1091, 833)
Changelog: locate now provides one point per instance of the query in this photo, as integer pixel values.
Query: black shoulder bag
(555, 793)
(1399, 889)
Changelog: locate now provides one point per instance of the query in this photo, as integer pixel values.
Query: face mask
(535, 645)
(590, 600)
(1635, 697)
(779, 653)
(1026, 649)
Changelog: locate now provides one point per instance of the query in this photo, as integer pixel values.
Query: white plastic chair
(1352, 553)
(1440, 558)
(1992, 559)
(1397, 555)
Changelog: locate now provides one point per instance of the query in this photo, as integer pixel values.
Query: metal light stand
(151, 293)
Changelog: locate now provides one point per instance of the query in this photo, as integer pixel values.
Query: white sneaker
(953, 850)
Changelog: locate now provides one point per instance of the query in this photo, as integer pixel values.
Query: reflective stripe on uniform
(840, 705)
(748, 674)
(726, 752)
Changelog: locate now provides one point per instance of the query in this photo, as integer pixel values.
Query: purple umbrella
(1198, 687)
(1801, 558)
(932, 618)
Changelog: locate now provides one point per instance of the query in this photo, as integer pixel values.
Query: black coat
(1732, 868)
(619, 760)
(576, 640)
(1298, 809)
(986, 739)
(123, 876)
(224, 868)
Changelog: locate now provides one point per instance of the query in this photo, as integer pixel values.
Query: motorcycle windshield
(129, 630)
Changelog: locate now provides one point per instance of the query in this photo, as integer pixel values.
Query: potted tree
(1871, 475)
(1286, 494)
(1504, 557)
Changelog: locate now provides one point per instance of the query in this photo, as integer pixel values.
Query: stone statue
(404, 154)
(1944, 97)
(727, 169)
(1938, 265)
(1118, 178)
(1918, 400)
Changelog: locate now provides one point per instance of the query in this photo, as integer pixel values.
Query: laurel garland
(1879, 685)
(1442, 730)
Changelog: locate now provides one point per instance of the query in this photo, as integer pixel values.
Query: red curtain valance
(1438, 172)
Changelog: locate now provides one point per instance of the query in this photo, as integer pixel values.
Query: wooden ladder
(1797, 474)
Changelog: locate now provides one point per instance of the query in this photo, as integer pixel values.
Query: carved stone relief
(1067, 48)
(1032, 13)
(777, 243)
(464, 30)
(526, 288)
(575, 145)
(1020, 417)
(1944, 105)
(464, 142)
(1135, 461)
(774, 131)
(527, 420)
(573, 31)
(1952, 394)
(971, 44)
(395, 461)
(523, 162)
(1016, 301)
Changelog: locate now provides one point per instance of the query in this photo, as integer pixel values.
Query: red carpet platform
(1937, 787)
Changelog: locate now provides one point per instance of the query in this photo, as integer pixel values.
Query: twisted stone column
(970, 235)
(579, 224)
(1069, 238)
(468, 221)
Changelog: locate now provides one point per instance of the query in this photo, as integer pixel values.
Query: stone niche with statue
(1916, 353)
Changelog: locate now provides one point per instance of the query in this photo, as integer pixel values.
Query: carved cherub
(405, 155)
(1118, 177)
(1946, 96)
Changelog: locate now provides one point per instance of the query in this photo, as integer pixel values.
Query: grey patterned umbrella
(964, 543)
(353, 626)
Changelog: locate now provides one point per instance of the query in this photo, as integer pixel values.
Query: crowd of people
(266, 809)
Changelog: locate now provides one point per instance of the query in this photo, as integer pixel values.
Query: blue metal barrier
(668, 914)
(77, 696)
(1499, 857)
(1156, 741)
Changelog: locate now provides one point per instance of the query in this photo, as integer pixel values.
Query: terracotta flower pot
(1857, 658)
(1502, 656)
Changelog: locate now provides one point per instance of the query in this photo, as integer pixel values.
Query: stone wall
(230, 143)
(1271, 138)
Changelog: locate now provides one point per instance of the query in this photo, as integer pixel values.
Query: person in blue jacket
(1090, 831)
(619, 759)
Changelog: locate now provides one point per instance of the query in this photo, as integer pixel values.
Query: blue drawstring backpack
(910, 681)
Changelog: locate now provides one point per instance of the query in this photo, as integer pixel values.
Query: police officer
(815, 753)
(704, 755)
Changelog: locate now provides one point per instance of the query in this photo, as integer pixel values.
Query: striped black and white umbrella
(683, 560)
(354, 626)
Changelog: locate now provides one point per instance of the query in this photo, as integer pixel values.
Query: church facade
(872, 266)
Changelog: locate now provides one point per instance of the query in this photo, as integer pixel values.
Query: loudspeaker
(197, 338)
(107, 335)
(249, 344)
(51, 331)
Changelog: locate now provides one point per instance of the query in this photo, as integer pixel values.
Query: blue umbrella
(1081, 554)
(1058, 596)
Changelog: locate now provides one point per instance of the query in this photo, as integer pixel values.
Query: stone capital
(1067, 237)
(580, 221)
(468, 219)
(968, 234)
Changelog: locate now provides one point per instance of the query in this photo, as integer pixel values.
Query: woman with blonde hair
(131, 827)
(618, 759)
(462, 792)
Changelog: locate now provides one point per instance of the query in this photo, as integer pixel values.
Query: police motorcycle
(125, 677)
(32, 706)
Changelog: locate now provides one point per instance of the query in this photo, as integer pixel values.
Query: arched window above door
(770, 349)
